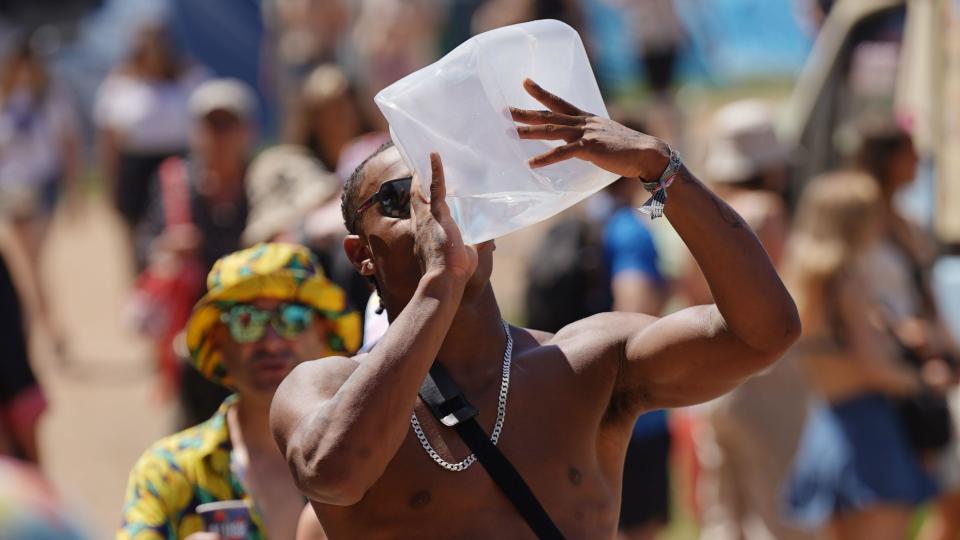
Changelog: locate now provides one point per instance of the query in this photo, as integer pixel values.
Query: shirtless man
(344, 424)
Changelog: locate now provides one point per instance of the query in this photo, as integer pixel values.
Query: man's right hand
(437, 239)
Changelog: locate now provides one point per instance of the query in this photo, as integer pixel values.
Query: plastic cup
(229, 519)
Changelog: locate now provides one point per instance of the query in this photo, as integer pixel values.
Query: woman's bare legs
(944, 520)
(29, 236)
(879, 522)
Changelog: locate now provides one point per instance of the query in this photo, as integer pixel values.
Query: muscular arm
(703, 351)
(700, 352)
(339, 422)
(339, 441)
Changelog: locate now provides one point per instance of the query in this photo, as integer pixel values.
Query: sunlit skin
(344, 423)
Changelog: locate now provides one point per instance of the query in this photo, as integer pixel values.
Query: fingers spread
(526, 116)
(550, 132)
(551, 101)
(559, 153)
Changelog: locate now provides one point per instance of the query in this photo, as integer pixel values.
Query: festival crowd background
(141, 140)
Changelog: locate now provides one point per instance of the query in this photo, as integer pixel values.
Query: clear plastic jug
(459, 107)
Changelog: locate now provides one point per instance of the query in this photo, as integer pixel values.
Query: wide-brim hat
(284, 185)
(285, 272)
(743, 143)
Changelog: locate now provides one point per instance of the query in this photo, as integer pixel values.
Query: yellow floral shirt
(179, 473)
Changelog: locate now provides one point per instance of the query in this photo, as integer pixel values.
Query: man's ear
(359, 254)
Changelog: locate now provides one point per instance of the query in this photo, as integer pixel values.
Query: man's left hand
(592, 138)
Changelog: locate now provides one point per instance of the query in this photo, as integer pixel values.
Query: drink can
(229, 519)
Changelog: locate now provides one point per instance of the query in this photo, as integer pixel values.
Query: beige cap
(326, 81)
(742, 143)
(231, 95)
(283, 185)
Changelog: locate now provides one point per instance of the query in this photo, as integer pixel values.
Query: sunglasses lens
(246, 323)
(293, 320)
(395, 198)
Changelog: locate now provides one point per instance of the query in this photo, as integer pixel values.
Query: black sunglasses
(394, 199)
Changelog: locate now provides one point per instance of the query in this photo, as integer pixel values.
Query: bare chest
(551, 441)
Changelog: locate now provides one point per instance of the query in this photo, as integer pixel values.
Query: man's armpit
(601, 343)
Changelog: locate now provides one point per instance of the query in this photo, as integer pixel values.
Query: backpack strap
(451, 408)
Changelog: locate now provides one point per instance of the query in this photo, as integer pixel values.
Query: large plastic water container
(459, 107)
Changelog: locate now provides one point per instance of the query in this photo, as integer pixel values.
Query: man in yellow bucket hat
(269, 308)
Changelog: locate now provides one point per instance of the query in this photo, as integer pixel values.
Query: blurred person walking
(490, 14)
(855, 473)
(39, 162)
(267, 309)
(329, 122)
(142, 117)
(29, 509)
(391, 38)
(303, 34)
(22, 401)
(294, 198)
(659, 36)
(197, 213)
(899, 276)
(748, 438)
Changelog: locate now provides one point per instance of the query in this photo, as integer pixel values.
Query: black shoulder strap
(452, 409)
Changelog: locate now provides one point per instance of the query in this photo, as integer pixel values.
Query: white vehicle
(923, 89)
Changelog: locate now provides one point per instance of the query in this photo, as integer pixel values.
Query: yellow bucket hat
(280, 271)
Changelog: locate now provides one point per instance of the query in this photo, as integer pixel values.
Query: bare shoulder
(593, 349)
(323, 375)
(599, 334)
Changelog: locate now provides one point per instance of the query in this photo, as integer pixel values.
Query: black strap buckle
(446, 401)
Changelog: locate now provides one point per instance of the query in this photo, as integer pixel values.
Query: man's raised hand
(592, 138)
(437, 240)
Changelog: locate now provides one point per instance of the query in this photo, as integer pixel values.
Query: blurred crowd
(848, 435)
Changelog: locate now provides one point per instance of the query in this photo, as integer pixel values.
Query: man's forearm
(749, 294)
(359, 430)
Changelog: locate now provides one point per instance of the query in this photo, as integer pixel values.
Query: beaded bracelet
(658, 189)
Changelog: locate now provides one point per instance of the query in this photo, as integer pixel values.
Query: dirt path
(102, 411)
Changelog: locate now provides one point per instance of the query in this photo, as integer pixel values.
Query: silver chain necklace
(497, 426)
